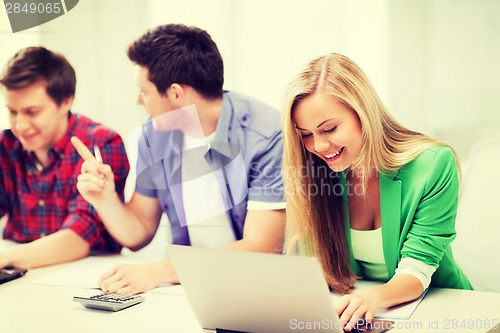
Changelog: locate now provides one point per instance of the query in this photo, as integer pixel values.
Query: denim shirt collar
(224, 125)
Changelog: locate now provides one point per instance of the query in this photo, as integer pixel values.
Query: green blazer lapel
(390, 211)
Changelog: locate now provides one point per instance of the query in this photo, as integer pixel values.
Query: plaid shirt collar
(62, 143)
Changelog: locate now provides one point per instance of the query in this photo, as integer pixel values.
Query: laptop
(234, 291)
(9, 273)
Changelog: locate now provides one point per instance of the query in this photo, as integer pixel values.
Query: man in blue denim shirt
(210, 159)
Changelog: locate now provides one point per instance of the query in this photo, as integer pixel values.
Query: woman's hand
(357, 306)
(362, 305)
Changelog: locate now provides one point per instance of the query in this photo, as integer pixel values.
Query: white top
(367, 247)
(368, 251)
(374, 252)
(207, 217)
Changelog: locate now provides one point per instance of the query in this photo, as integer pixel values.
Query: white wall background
(434, 62)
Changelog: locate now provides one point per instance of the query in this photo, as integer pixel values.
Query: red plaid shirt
(39, 203)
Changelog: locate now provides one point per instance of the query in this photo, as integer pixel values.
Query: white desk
(450, 310)
(28, 306)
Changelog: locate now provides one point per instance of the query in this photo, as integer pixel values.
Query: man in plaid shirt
(46, 215)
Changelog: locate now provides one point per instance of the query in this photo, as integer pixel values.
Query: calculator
(109, 301)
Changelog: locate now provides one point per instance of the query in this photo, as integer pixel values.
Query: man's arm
(61, 246)
(132, 225)
(263, 232)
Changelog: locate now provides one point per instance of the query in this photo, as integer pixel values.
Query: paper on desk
(85, 273)
(403, 311)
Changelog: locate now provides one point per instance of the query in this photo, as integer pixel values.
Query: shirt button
(41, 203)
(30, 172)
(42, 234)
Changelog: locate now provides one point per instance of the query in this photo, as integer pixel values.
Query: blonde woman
(365, 195)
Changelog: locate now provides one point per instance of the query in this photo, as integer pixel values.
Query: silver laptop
(257, 292)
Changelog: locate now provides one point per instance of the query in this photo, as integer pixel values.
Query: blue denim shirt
(248, 134)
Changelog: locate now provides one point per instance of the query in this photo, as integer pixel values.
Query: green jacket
(418, 210)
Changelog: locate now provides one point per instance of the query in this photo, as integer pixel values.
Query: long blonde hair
(315, 216)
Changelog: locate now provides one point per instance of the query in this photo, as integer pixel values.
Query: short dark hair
(34, 64)
(175, 53)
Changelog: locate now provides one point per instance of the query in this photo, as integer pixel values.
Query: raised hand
(96, 181)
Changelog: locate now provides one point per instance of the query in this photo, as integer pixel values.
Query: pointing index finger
(82, 149)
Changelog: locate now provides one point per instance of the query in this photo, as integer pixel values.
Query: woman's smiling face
(329, 129)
